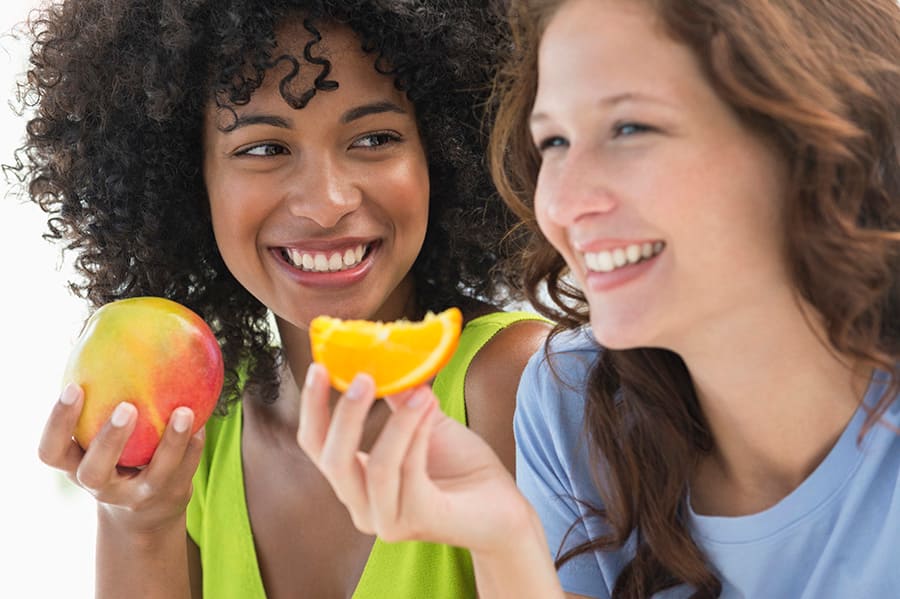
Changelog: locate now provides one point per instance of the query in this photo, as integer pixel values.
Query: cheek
(552, 231)
(236, 216)
(407, 190)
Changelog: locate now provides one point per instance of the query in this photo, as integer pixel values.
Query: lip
(325, 245)
(337, 279)
(603, 245)
(601, 282)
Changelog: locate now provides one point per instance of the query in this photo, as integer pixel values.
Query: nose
(320, 190)
(573, 188)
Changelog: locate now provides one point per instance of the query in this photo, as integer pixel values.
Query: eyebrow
(259, 119)
(609, 102)
(351, 115)
(372, 108)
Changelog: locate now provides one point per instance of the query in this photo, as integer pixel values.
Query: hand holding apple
(153, 353)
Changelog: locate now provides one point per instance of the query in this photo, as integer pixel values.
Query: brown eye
(263, 150)
(375, 140)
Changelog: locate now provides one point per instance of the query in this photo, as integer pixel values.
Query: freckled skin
(153, 353)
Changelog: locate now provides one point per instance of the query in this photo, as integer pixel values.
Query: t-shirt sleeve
(551, 465)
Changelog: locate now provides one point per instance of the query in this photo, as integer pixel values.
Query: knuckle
(304, 441)
(392, 534)
(47, 457)
(144, 494)
(362, 524)
(89, 479)
(329, 464)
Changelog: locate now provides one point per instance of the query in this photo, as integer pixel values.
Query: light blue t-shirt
(836, 536)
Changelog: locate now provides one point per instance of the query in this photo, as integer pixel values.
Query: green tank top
(218, 522)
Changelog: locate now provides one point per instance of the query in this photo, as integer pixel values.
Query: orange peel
(398, 355)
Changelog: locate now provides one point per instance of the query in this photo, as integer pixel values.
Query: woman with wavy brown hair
(718, 191)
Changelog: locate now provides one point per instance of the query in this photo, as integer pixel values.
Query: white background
(48, 526)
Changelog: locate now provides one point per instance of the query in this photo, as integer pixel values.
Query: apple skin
(149, 351)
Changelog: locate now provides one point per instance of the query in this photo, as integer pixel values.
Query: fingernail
(418, 398)
(181, 419)
(310, 375)
(69, 394)
(122, 414)
(357, 387)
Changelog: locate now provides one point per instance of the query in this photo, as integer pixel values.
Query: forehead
(608, 47)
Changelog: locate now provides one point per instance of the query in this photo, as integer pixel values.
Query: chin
(619, 334)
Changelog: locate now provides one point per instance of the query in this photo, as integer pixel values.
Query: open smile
(326, 261)
(613, 259)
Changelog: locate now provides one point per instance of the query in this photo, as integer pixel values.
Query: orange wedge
(397, 355)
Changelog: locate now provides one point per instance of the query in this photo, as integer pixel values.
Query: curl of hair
(116, 91)
(822, 80)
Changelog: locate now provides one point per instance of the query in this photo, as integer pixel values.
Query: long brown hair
(821, 79)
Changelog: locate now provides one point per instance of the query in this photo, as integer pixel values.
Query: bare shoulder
(492, 381)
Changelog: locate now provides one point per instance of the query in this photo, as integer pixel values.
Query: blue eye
(552, 142)
(265, 149)
(375, 140)
(627, 129)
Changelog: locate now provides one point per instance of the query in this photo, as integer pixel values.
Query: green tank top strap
(450, 383)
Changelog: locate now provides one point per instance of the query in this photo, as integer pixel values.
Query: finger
(338, 460)
(416, 465)
(56, 447)
(388, 456)
(170, 452)
(99, 463)
(315, 417)
(415, 483)
(397, 401)
(183, 475)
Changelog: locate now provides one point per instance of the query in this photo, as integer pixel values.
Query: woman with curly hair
(294, 158)
(717, 185)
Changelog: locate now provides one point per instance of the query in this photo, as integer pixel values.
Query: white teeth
(325, 262)
(601, 261)
(633, 253)
(295, 256)
(610, 260)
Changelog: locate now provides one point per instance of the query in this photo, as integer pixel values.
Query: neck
(284, 414)
(776, 402)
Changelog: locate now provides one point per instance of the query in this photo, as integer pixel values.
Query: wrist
(141, 529)
(520, 566)
(521, 527)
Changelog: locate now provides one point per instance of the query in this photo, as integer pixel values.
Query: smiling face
(321, 210)
(663, 204)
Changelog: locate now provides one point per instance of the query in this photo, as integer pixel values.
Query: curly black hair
(113, 147)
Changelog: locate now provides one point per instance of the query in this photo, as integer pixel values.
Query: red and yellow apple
(149, 351)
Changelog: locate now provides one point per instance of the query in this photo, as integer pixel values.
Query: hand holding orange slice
(397, 355)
